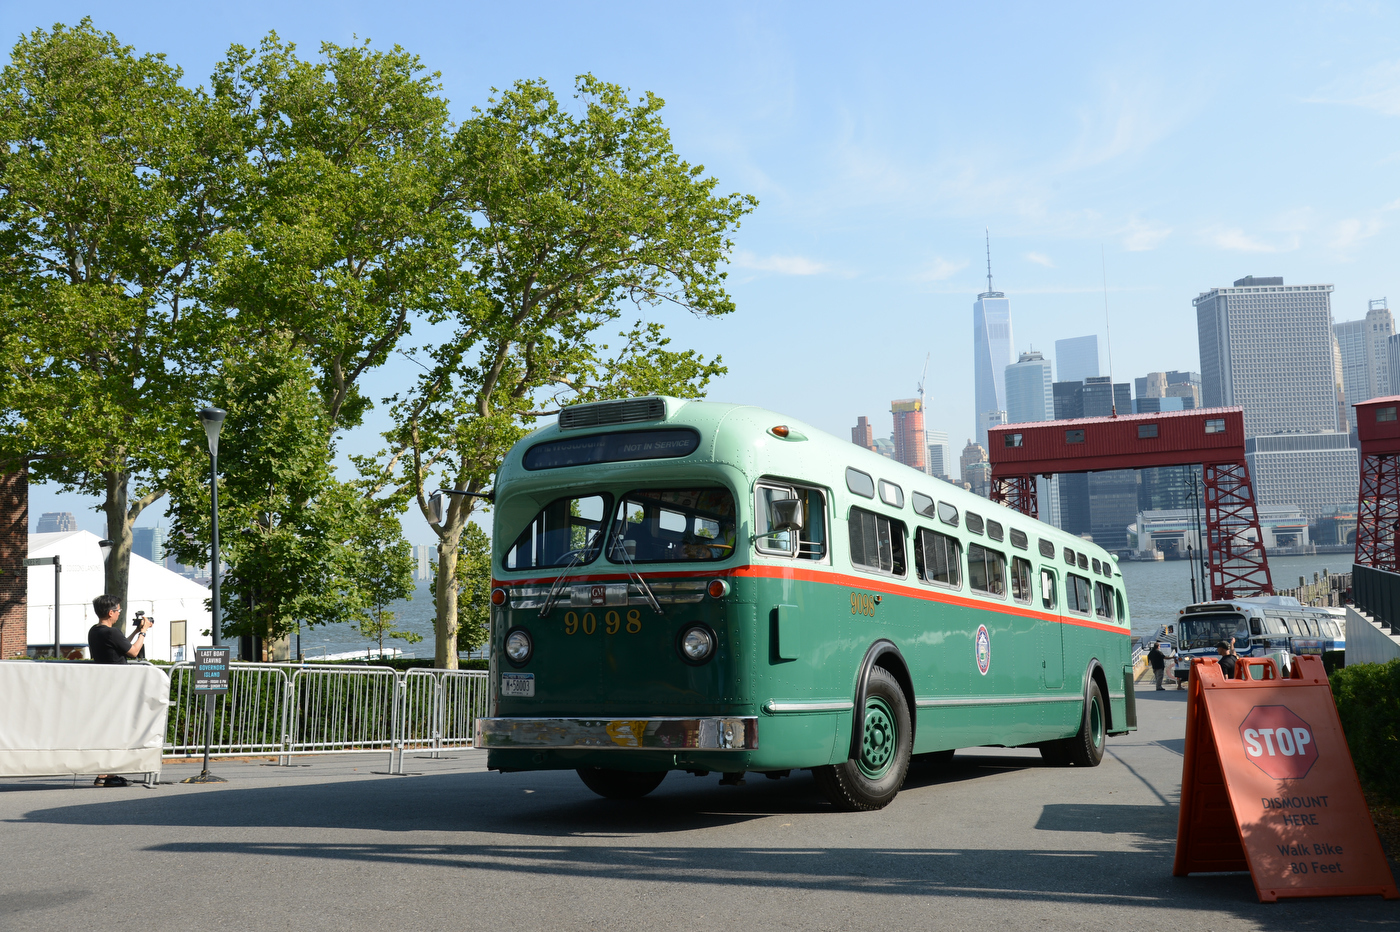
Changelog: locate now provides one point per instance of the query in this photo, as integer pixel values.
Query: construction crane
(922, 377)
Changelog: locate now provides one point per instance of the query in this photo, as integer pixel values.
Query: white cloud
(1377, 88)
(1040, 258)
(1237, 240)
(1353, 231)
(1139, 236)
(937, 269)
(782, 265)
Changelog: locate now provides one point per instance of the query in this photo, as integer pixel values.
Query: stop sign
(1278, 742)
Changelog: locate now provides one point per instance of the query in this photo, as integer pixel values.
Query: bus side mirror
(784, 515)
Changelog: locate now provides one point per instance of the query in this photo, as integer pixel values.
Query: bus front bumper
(660, 734)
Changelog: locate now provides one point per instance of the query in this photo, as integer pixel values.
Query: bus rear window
(612, 448)
(673, 525)
(566, 532)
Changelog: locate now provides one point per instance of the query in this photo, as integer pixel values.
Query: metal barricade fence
(289, 709)
(251, 718)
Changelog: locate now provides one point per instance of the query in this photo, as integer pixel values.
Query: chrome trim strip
(777, 706)
(993, 700)
(733, 733)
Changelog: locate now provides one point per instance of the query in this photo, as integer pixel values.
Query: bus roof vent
(601, 413)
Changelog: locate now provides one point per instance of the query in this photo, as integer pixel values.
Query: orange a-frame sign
(1268, 786)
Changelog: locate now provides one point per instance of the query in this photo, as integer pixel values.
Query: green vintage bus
(683, 585)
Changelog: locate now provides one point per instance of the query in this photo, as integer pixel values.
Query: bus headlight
(697, 644)
(519, 647)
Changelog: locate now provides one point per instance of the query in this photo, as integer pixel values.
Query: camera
(141, 617)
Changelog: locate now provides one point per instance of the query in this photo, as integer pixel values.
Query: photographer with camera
(106, 645)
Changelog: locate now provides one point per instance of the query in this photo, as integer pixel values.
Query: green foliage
(571, 217)
(473, 588)
(385, 575)
(1368, 703)
(113, 176)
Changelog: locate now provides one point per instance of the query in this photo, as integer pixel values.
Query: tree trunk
(118, 568)
(445, 626)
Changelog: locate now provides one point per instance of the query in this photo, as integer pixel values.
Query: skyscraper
(863, 435)
(910, 445)
(149, 542)
(1029, 397)
(1028, 393)
(1102, 504)
(938, 453)
(991, 354)
(1270, 348)
(1267, 347)
(51, 522)
(1364, 349)
(1077, 358)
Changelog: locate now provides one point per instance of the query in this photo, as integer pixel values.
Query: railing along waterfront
(1377, 593)
(293, 709)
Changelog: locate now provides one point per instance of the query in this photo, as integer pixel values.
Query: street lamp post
(213, 419)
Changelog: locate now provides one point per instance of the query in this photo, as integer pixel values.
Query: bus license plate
(518, 684)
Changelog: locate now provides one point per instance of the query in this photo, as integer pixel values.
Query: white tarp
(62, 718)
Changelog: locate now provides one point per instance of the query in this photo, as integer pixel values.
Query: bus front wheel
(619, 784)
(873, 779)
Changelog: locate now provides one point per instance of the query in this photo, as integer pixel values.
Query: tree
(338, 241)
(387, 575)
(113, 179)
(571, 218)
(473, 588)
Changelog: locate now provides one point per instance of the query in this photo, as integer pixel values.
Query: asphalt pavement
(995, 840)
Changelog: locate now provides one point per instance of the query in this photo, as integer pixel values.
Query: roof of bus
(740, 436)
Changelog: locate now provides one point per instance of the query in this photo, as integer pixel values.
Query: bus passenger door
(1052, 632)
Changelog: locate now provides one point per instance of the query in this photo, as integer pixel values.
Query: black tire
(1086, 748)
(872, 780)
(620, 784)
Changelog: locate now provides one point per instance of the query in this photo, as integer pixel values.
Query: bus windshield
(1205, 631)
(673, 525)
(567, 531)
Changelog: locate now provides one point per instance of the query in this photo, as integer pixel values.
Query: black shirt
(1157, 659)
(1227, 663)
(106, 644)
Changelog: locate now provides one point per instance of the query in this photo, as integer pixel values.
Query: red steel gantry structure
(1378, 500)
(1212, 438)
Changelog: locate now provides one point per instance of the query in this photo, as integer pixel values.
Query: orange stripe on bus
(832, 577)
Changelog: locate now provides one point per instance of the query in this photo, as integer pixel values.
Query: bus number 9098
(612, 622)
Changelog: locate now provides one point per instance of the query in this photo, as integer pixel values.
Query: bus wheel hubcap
(877, 748)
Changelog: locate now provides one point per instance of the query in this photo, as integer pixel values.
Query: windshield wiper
(557, 587)
(618, 548)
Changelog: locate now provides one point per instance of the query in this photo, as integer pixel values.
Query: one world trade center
(991, 353)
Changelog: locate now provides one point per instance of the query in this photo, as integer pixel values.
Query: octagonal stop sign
(1278, 742)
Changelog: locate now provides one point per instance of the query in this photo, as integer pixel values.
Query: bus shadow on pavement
(1153, 821)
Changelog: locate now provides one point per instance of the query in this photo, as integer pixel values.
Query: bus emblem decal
(597, 595)
(984, 650)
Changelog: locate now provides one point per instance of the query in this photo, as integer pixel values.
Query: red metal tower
(1212, 437)
(1378, 501)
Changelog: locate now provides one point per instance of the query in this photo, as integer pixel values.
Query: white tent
(176, 603)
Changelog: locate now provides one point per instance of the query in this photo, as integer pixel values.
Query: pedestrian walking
(1159, 664)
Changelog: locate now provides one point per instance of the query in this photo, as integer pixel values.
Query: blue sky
(1191, 143)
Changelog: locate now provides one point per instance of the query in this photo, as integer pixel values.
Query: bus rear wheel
(871, 780)
(1086, 748)
(620, 784)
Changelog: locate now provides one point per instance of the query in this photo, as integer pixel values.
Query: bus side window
(1118, 597)
(1020, 579)
(986, 570)
(1256, 627)
(938, 558)
(1077, 593)
(811, 540)
(1047, 589)
(877, 542)
(1103, 600)
(782, 541)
